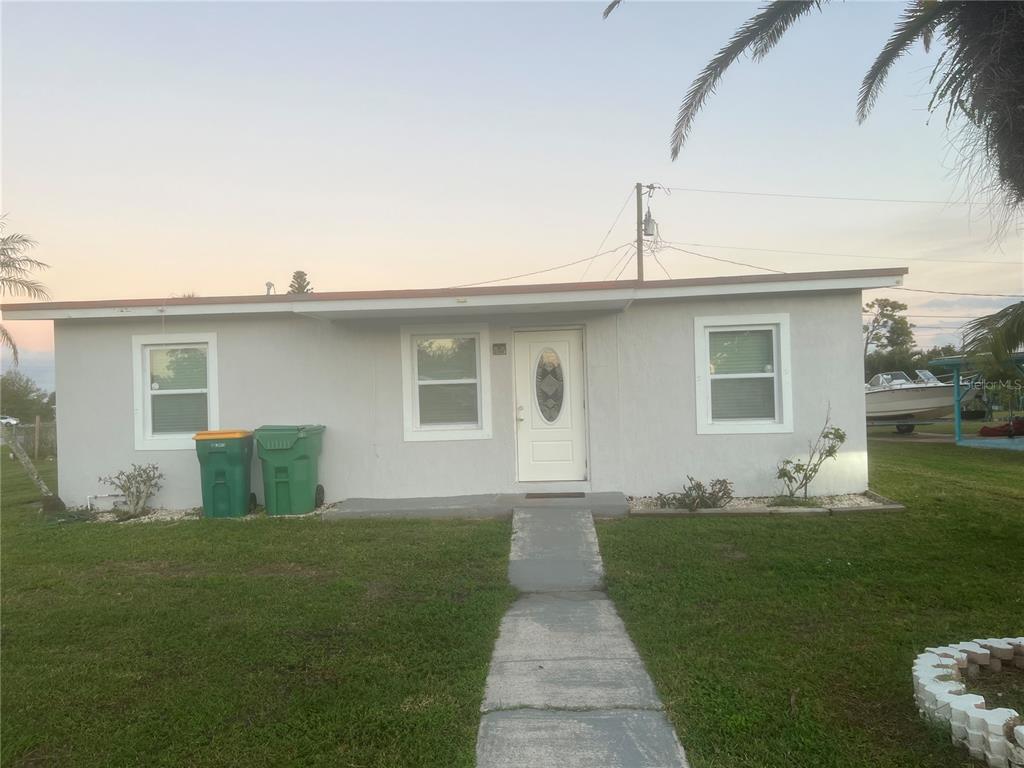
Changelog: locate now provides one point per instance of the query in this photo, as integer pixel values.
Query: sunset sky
(155, 149)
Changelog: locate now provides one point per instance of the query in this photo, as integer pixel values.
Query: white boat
(894, 396)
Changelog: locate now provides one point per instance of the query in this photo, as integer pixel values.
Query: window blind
(741, 351)
(176, 414)
(743, 398)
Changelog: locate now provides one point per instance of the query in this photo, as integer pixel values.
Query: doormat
(566, 495)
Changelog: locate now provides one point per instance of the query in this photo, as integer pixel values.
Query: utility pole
(639, 232)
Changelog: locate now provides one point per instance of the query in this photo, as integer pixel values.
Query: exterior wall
(657, 443)
(640, 401)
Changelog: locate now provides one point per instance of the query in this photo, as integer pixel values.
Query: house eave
(578, 297)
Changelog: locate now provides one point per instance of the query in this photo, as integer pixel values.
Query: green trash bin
(225, 461)
(288, 458)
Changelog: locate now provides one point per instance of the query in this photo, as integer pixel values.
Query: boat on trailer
(895, 397)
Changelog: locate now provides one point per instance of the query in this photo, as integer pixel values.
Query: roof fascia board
(337, 307)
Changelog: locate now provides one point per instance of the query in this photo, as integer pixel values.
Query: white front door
(551, 435)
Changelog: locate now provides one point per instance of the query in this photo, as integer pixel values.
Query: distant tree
(907, 360)
(299, 283)
(16, 268)
(24, 399)
(976, 81)
(887, 329)
(925, 357)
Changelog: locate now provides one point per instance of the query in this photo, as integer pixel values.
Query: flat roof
(552, 296)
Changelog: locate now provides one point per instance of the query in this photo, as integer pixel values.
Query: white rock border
(993, 735)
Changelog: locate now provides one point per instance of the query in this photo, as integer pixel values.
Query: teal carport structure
(964, 367)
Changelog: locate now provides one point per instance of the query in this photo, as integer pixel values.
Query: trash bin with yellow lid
(225, 464)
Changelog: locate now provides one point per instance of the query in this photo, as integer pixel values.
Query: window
(175, 389)
(446, 383)
(742, 374)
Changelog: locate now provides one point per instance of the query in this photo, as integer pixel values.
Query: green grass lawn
(244, 643)
(782, 641)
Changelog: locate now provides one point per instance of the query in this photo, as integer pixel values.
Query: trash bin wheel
(318, 499)
(904, 429)
(252, 503)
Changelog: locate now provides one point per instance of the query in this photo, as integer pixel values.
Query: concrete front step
(478, 506)
(528, 738)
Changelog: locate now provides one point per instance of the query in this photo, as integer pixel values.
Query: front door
(551, 436)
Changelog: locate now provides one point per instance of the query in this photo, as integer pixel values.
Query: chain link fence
(38, 443)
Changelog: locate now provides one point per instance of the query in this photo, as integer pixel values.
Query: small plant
(695, 495)
(797, 475)
(137, 485)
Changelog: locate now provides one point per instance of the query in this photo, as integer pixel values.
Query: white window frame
(414, 432)
(779, 325)
(145, 440)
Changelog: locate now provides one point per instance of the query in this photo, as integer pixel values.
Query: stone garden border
(993, 735)
(881, 504)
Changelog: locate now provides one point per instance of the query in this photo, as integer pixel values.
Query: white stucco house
(606, 386)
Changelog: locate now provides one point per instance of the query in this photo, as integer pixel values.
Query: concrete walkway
(566, 688)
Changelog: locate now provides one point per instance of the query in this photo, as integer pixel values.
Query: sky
(154, 149)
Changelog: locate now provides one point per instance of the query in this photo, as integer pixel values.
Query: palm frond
(981, 80)
(919, 20)
(16, 266)
(926, 39)
(15, 243)
(778, 27)
(1001, 333)
(760, 32)
(22, 286)
(6, 340)
(19, 265)
(611, 7)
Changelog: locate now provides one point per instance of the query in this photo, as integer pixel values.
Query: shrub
(695, 495)
(797, 475)
(137, 485)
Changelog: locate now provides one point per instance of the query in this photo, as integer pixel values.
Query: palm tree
(15, 276)
(979, 77)
(999, 334)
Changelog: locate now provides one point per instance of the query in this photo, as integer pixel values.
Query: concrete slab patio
(566, 686)
(481, 506)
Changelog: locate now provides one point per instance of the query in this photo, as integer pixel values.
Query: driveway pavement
(567, 688)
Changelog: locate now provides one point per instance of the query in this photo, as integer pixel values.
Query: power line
(957, 293)
(933, 317)
(673, 247)
(655, 255)
(541, 271)
(628, 260)
(847, 255)
(629, 196)
(624, 258)
(819, 197)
